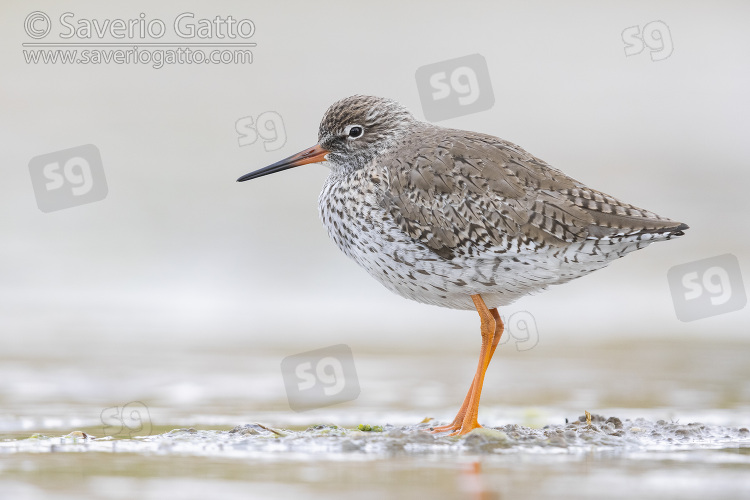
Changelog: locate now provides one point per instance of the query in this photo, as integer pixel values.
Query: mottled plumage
(438, 214)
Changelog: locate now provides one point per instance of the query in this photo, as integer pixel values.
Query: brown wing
(480, 189)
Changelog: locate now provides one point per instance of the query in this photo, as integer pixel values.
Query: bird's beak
(314, 154)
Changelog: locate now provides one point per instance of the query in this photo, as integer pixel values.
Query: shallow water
(670, 421)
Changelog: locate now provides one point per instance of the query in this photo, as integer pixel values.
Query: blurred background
(179, 252)
(183, 289)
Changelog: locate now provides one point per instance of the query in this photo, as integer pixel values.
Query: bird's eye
(354, 131)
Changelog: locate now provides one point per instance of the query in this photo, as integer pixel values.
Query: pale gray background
(178, 252)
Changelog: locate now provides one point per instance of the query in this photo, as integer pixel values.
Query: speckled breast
(349, 208)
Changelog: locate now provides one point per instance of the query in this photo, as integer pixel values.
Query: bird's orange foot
(443, 428)
(468, 425)
(457, 428)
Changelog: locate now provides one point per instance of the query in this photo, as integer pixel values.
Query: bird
(460, 219)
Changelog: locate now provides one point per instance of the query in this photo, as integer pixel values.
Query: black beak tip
(251, 175)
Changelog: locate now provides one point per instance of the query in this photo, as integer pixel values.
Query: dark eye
(354, 131)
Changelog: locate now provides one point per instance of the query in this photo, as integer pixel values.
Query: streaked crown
(356, 128)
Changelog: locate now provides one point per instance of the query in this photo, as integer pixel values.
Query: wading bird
(461, 219)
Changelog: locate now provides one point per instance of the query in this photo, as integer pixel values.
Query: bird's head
(356, 128)
(351, 133)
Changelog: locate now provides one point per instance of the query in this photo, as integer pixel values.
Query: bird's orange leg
(456, 424)
(492, 331)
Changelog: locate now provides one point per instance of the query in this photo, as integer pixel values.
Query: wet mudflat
(215, 423)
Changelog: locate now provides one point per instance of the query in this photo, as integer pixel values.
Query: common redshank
(461, 219)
